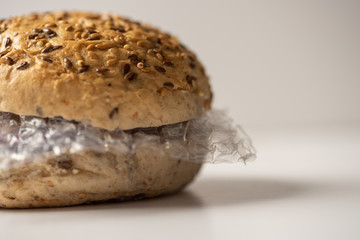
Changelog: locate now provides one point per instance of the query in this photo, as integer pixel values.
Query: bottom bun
(73, 179)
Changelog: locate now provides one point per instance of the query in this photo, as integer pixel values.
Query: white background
(289, 73)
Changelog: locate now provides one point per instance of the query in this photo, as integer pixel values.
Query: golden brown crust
(102, 70)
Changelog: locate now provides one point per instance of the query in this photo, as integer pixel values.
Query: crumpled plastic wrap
(212, 138)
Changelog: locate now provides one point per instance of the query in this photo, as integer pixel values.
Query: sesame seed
(159, 56)
(9, 61)
(48, 25)
(104, 46)
(90, 47)
(130, 76)
(92, 55)
(160, 69)
(22, 66)
(79, 30)
(140, 43)
(113, 112)
(84, 68)
(126, 68)
(140, 65)
(84, 35)
(78, 35)
(7, 42)
(50, 49)
(168, 85)
(75, 171)
(150, 52)
(67, 62)
(111, 62)
(95, 36)
(40, 43)
(126, 46)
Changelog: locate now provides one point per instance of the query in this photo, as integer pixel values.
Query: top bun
(99, 69)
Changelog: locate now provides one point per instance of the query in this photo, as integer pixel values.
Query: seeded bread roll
(108, 72)
(102, 70)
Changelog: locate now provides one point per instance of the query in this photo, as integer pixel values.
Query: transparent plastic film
(212, 138)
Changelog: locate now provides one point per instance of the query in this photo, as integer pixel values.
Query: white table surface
(305, 184)
(270, 62)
